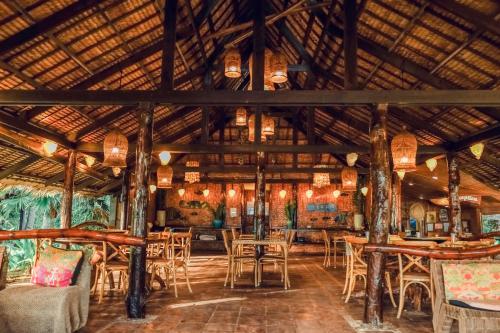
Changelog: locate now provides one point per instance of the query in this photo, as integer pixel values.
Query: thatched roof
(111, 45)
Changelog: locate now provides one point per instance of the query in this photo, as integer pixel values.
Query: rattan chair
(114, 260)
(277, 258)
(469, 320)
(326, 241)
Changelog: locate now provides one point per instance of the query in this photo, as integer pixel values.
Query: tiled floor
(314, 304)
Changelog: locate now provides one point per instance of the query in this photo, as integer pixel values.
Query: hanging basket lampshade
(232, 64)
(321, 179)
(268, 83)
(164, 176)
(251, 129)
(279, 68)
(115, 150)
(267, 125)
(192, 176)
(165, 157)
(401, 174)
(336, 194)
(431, 164)
(404, 151)
(364, 190)
(309, 193)
(241, 117)
(351, 159)
(181, 192)
(89, 160)
(116, 171)
(49, 148)
(477, 150)
(231, 192)
(349, 176)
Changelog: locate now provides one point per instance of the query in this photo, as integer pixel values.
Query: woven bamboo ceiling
(116, 45)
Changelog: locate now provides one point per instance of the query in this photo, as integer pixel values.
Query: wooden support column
(295, 198)
(395, 225)
(123, 202)
(260, 202)
(350, 45)
(136, 297)
(454, 210)
(168, 53)
(295, 137)
(67, 195)
(380, 175)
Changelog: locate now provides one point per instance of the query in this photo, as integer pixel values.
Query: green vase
(289, 224)
(217, 224)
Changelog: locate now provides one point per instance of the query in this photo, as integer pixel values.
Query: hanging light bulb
(309, 193)
(164, 157)
(89, 160)
(49, 148)
(351, 159)
(181, 192)
(431, 164)
(231, 192)
(401, 174)
(152, 188)
(364, 190)
(336, 194)
(477, 149)
(282, 193)
(206, 192)
(116, 171)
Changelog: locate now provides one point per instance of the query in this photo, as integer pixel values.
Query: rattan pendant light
(431, 164)
(164, 175)
(241, 117)
(192, 176)
(351, 159)
(267, 125)
(116, 171)
(232, 64)
(321, 179)
(404, 151)
(115, 150)
(477, 150)
(279, 68)
(349, 176)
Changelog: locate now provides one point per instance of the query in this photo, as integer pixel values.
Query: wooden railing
(436, 253)
(481, 236)
(72, 233)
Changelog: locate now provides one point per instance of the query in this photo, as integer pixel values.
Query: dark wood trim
(454, 210)
(260, 202)
(489, 133)
(67, 194)
(350, 45)
(270, 169)
(253, 98)
(168, 50)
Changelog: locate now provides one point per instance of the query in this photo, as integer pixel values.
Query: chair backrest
(354, 248)
(225, 237)
(112, 251)
(411, 263)
(235, 233)
(180, 246)
(326, 237)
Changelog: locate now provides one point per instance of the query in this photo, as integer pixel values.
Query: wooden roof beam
(18, 166)
(478, 19)
(168, 45)
(489, 133)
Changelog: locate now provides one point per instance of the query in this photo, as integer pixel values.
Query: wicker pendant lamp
(115, 150)
(241, 117)
(477, 150)
(164, 175)
(279, 68)
(321, 179)
(267, 125)
(232, 64)
(404, 151)
(116, 171)
(431, 164)
(349, 176)
(351, 159)
(192, 176)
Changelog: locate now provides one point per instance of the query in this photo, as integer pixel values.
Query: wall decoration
(431, 217)
(250, 208)
(443, 215)
(193, 204)
(430, 227)
(438, 226)
(321, 207)
(233, 212)
(446, 227)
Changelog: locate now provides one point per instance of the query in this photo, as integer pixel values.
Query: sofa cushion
(472, 281)
(55, 267)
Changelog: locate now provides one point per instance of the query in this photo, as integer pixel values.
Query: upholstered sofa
(469, 319)
(28, 308)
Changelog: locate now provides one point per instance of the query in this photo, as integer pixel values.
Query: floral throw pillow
(55, 267)
(472, 281)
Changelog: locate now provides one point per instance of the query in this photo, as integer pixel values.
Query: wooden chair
(114, 260)
(469, 320)
(357, 267)
(412, 270)
(338, 239)
(235, 258)
(157, 257)
(326, 241)
(279, 259)
(179, 255)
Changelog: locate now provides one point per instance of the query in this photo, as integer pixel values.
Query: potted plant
(290, 213)
(219, 215)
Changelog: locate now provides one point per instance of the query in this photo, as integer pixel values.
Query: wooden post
(123, 201)
(295, 198)
(350, 45)
(168, 53)
(454, 211)
(67, 195)
(380, 175)
(136, 297)
(395, 204)
(260, 202)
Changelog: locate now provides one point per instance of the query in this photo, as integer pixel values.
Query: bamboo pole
(72, 233)
(67, 195)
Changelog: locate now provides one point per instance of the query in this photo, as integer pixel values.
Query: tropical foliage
(24, 208)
